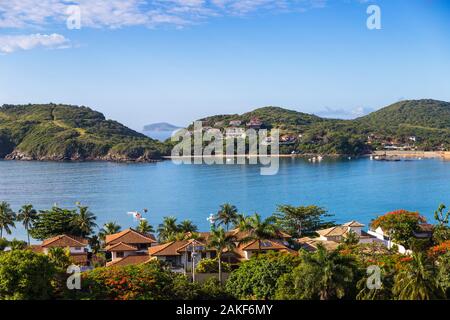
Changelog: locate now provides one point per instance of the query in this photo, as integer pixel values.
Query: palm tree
(416, 280)
(168, 229)
(228, 214)
(84, 221)
(7, 218)
(60, 257)
(187, 226)
(327, 274)
(27, 215)
(108, 229)
(221, 241)
(94, 243)
(145, 227)
(17, 244)
(258, 229)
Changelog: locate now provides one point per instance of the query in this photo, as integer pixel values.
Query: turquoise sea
(350, 189)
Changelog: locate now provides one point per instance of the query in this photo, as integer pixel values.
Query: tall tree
(168, 229)
(221, 241)
(186, 226)
(7, 218)
(84, 221)
(108, 229)
(27, 215)
(321, 275)
(227, 215)
(302, 221)
(258, 229)
(417, 280)
(145, 227)
(94, 243)
(54, 222)
(441, 231)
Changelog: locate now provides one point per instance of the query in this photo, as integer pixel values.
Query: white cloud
(123, 13)
(12, 43)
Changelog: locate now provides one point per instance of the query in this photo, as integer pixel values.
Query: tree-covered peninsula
(64, 132)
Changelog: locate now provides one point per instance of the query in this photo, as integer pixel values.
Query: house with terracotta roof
(183, 255)
(77, 247)
(128, 247)
(330, 238)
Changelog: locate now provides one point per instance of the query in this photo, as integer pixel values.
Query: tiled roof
(36, 248)
(353, 224)
(264, 245)
(129, 260)
(63, 241)
(310, 244)
(333, 231)
(129, 236)
(174, 248)
(156, 250)
(120, 247)
(426, 227)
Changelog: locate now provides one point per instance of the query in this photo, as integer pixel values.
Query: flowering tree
(400, 225)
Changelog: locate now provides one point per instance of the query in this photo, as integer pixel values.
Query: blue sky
(142, 61)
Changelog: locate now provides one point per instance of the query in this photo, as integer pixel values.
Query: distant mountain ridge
(65, 132)
(160, 126)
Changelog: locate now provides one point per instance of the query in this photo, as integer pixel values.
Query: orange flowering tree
(400, 225)
(440, 249)
(137, 282)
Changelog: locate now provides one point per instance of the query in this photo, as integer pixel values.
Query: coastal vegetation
(323, 273)
(412, 124)
(64, 132)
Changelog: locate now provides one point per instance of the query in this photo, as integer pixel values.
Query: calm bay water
(352, 190)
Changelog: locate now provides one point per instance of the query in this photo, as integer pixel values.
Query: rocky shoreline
(19, 156)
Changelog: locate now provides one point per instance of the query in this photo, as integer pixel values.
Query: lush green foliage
(7, 218)
(320, 275)
(417, 280)
(57, 221)
(212, 266)
(148, 281)
(427, 120)
(25, 275)
(257, 278)
(302, 221)
(64, 132)
(400, 225)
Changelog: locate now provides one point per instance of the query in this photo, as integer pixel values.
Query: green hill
(428, 121)
(421, 113)
(64, 132)
(272, 117)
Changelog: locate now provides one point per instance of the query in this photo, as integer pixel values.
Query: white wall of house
(383, 238)
(357, 230)
(114, 255)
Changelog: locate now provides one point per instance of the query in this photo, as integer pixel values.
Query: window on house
(119, 254)
(213, 254)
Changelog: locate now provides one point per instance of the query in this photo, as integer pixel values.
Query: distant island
(71, 133)
(63, 132)
(160, 127)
